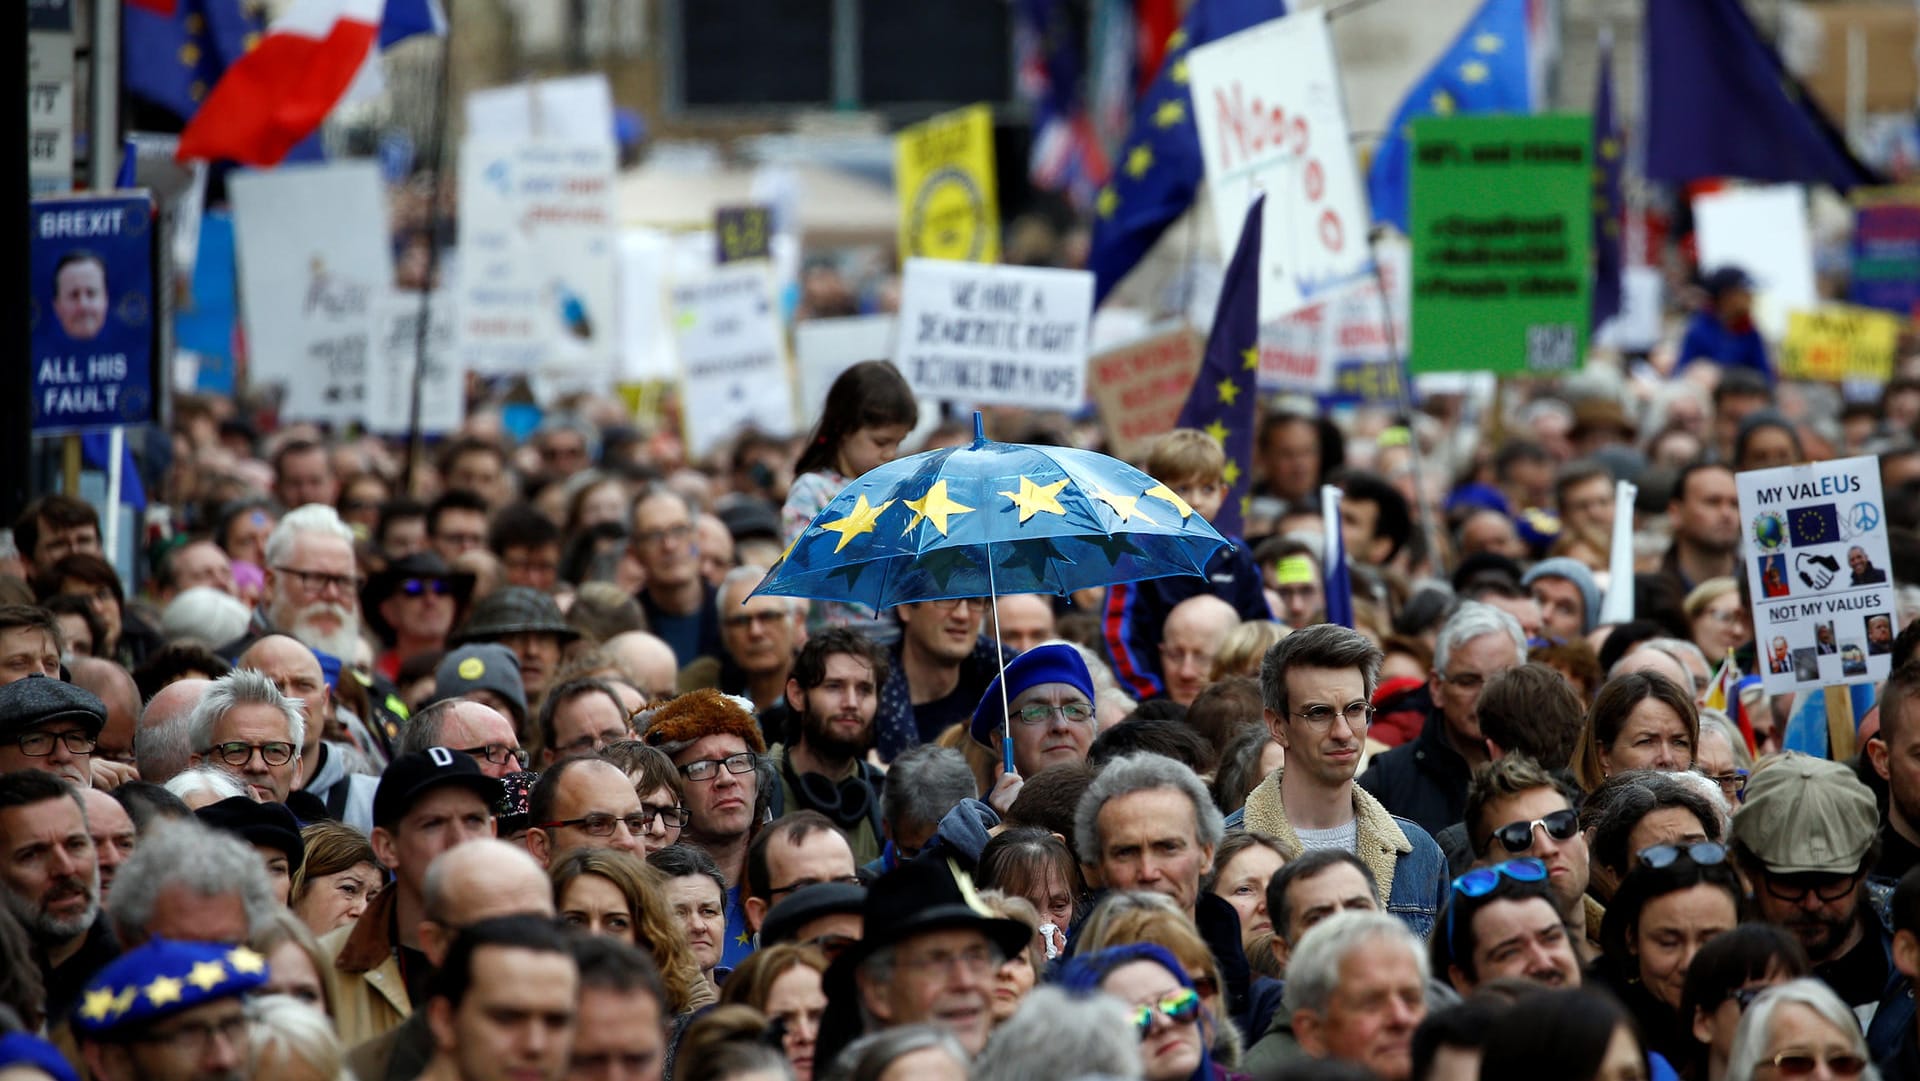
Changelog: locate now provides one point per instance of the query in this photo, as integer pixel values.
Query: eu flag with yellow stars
(1484, 71)
(174, 56)
(1158, 170)
(1607, 160)
(1221, 402)
(1813, 525)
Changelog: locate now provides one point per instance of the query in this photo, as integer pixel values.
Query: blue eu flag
(1484, 71)
(173, 60)
(1814, 525)
(1607, 147)
(1221, 402)
(1158, 169)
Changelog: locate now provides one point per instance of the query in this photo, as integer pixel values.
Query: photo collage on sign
(1834, 551)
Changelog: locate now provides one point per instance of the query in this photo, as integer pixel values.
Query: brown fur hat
(680, 721)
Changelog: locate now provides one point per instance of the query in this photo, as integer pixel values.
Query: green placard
(1501, 234)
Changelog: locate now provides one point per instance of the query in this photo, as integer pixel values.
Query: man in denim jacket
(1317, 687)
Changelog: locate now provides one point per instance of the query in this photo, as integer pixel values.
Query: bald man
(1642, 659)
(160, 744)
(1192, 637)
(113, 751)
(324, 764)
(1026, 620)
(479, 880)
(649, 659)
(570, 797)
(113, 835)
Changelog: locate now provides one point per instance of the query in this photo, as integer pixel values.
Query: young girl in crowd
(869, 411)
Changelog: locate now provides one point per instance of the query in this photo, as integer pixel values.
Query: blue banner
(92, 308)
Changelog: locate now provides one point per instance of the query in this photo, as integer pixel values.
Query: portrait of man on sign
(80, 294)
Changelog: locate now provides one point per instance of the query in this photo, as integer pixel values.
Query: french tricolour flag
(281, 91)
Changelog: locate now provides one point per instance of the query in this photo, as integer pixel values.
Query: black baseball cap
(411, 776)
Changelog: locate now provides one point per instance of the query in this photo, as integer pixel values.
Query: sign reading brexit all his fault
(90, 304)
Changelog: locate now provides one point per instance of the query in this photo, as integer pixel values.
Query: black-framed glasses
(194, 1039)
(803, 883)
(593, 741)
(238, 752)
(1484, 880)
(708, 768)
(675, 816)
(1802, 1063)
(1040, 713)
(1357, 714)
(1793, 889)
(318, 582)
(1181, 1008)
(602, 824)
(420, 587)
(1704, 853)
(1734, 784)
(497, 753)
(1518, 836)
(40, 744)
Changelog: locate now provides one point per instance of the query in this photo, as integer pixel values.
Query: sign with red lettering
(1139, 388)
(1268, 107)
(1343, 348)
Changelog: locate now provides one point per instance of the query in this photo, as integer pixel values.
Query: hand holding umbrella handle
(1005, 791)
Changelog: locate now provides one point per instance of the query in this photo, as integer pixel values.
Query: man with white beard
(313, 596)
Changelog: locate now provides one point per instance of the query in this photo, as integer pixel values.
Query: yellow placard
(943, 169)
(1839, 341)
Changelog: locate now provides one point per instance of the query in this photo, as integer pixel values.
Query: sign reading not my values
(995, 335)
(1501, 233)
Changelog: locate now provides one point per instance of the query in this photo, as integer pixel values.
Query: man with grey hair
(924, 784)
(56, 894)
(312, 583)
(244, 725)
(1675, 658)
(1316, 687)
(758, 638)
(188, 882)
(1426, 780)
(1356, 990)
(477, 730)
(160, 745)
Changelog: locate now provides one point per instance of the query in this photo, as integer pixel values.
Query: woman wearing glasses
(1799, 1030)
(1677, 899)
(1724, 979)
(1174, 1025)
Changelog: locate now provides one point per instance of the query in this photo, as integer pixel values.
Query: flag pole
(416, 440)
(1402, 363)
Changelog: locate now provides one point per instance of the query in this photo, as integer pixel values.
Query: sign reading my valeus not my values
(91, 308)
(943, 170)
(1817, 561)
(1501, 233)
(995, 335)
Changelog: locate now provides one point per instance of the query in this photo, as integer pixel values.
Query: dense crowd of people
(503, 773)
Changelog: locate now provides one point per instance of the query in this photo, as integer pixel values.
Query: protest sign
(50, 79)
(1886, 250)
(91, 307)
(1763, 231)
(1816, 558)
(826, 347)
(1139, 389)
(995, 335)
(577, 108)
(535, 289)
(1501, 229)
(734, 367)
(313, 257)
(1839, 342)
(742, 233)
(943, 170)
(1267, 105)
(644, 258)
(398, 354)
(1342, 348)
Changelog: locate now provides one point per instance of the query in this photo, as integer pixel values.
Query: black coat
(1425, 780)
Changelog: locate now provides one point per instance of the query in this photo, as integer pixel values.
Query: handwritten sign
(1817, 561)
(50, 79)
(1139, 388)
(1501, 230)
(995, 335)
(397, 344)
(314, 263)
(1267, 104)
(734, 366)
(826, 347)
(1839, 342)
(949, 205)
(741, 233)
(91, 306)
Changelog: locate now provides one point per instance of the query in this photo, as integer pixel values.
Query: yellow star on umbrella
(1170, 112)
(164, 990)
(96, 1004)
(246, 961)
(1229, 390)
(1161, 491)
(1034, 498)
(860, 521)
(1443, 103)
(207, 975)
(935, 507)
(1124, 505)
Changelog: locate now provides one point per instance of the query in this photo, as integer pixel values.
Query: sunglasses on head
(1484, 880)
(1703, 853)
(418, 587)
(1182, 1008)
(1518, 836)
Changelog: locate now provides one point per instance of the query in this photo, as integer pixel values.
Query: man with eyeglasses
(586, 802)
(1805, 839)
(1426, 780)
(800, 850)
(677, 600)
(245, 726)
(312, 583)
(325, 766)
(831, 697)
(411, 605)
(1515, 809)
(472, 728)
(941, 665)
(1316, 685)
(717, 747)
(170, 1011)
(1049, 696)
(758, 638)
(50, 725)
(580, 717)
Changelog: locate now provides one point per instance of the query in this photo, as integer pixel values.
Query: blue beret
(20, 1048)
(1054, 662)
(162, 978)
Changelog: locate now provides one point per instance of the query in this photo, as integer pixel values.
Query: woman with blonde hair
(1716, 620)
(293, 1041)
(295, 963)
(337, 877)
(784, 983)
(609, 892)
(1243, 647)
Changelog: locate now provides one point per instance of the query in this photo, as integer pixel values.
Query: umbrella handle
(1000, 653)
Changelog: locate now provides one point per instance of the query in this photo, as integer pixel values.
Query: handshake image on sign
(1816, 571)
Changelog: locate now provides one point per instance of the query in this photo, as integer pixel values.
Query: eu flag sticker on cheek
(93, 312)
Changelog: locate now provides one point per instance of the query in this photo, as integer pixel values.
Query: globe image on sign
(1770, 531)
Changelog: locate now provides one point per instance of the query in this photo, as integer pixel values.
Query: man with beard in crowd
(832, 695)
(56, 897)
